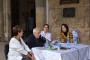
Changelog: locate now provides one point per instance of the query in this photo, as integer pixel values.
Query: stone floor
(2, 55)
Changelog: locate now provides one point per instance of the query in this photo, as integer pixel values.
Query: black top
(32, 41)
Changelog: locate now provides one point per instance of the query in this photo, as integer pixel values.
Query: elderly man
(35, 40)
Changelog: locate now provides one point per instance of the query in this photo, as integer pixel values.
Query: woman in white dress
(45, 32)
(18, 50)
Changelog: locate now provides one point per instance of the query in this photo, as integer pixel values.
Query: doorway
(23, 13)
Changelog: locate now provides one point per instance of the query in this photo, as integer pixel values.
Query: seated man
(35, 40)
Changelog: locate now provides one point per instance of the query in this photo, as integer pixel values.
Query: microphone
(43, 37)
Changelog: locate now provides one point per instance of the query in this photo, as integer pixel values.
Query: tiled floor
(2, 46)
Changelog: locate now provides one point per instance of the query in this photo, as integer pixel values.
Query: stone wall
(80, 22)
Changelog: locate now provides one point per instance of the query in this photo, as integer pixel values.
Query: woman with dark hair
(18, 50)
(65, 34)
(45, 32)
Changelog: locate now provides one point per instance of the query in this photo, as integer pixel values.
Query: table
(77, 52)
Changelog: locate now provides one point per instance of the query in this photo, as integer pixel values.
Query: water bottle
(68, 41)
(59, 43)
(75, 37)
(75, 41)
(46, 45)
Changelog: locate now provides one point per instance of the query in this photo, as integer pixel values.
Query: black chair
(6, 50)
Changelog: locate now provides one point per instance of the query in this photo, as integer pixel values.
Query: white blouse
(47, 35)
(16, 49)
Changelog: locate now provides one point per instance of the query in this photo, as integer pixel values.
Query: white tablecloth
(77, 52)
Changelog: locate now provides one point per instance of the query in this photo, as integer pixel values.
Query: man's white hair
(35, 30)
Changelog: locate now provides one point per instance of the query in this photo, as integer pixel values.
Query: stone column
(40, 13)
(1, 21)
(6, 19)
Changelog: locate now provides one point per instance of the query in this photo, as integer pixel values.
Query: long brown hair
(67, 29)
